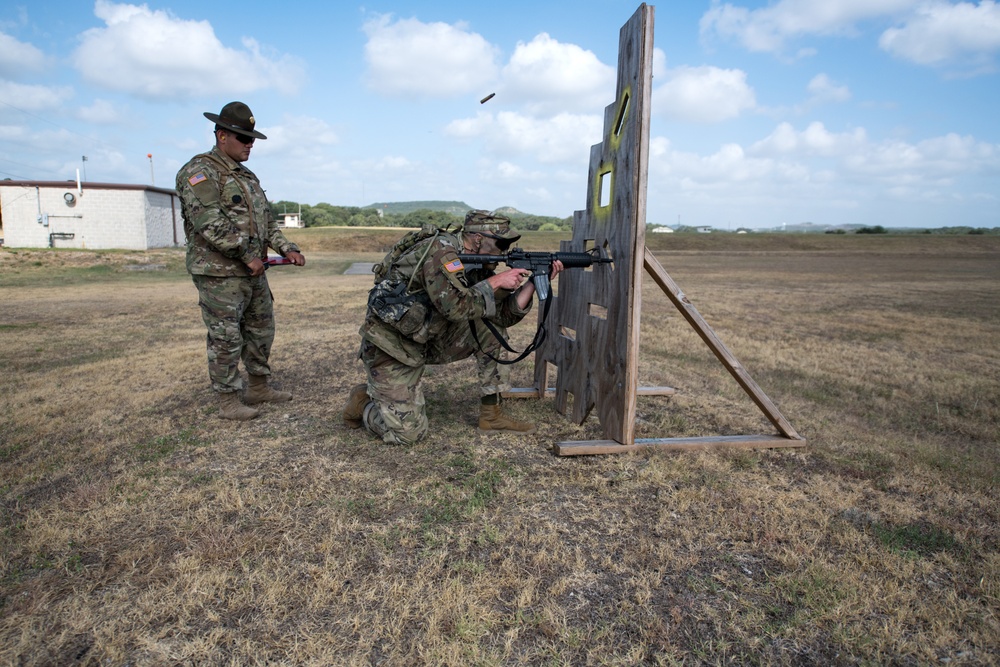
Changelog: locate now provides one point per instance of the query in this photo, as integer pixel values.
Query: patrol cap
(490, 224)
(237, 118)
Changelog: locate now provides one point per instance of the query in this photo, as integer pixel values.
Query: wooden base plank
(527, 392)
(531, 392)
(592, 447)
(655, 391)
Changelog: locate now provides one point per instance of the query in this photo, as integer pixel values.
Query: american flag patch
(454, 266)
(197, 178)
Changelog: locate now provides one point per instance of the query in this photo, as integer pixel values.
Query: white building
(67, 214)
(291, 220)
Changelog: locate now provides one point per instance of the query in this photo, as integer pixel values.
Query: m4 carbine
(539, 263)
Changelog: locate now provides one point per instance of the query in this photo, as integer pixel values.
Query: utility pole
(84, 160)
(152, 179)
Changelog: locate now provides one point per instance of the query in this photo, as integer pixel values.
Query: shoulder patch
(454, 266)
(197, 178)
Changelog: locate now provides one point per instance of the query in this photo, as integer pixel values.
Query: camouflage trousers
(398, 414)
(239, 316)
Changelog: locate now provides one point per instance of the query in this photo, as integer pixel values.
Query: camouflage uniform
(228, 223)
(429, 326)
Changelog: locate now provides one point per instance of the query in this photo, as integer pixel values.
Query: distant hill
(458, 208)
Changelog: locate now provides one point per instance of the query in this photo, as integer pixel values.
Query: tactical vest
(391, 299)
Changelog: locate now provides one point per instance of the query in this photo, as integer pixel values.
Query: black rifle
(539, 263)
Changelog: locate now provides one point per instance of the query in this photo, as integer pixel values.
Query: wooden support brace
(732, 364)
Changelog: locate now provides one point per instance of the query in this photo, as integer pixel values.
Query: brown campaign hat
(237, 118)
(489, 224)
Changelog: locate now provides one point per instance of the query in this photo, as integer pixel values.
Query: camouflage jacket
(437, 291)
(227, 219)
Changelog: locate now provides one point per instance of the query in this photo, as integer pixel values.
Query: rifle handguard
(539, 263)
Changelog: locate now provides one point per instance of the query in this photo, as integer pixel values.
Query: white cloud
(101, 112)
(940, 32)
(564, 137)
(155, 55)
(815, 140)
(470, 128)
(826, 170)
(18, 58)
(409, 57)
(769, 28)
(659, 63)
(931, 162)
(703, 94)
(824, 90)
(34, 97)
(548, 75)
(293, 132)
(301, 145)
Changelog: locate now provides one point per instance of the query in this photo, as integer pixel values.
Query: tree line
(328, 215)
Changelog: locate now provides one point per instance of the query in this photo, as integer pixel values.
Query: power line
(29, 166)
(61, 127)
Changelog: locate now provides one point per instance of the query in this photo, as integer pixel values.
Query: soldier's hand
(297, 258)
(508, 280)
(557, 267)
(256, 267)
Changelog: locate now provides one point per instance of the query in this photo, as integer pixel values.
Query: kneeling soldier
(419, 313)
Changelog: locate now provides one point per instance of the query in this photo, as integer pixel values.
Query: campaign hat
(236, 117)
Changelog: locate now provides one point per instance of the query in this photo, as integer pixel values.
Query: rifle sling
(534, 345)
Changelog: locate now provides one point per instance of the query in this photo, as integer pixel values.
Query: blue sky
(764, 113)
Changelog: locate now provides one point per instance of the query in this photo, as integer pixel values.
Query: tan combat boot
(259, 392)
(230, 407)
(354, 411)
(492, 418)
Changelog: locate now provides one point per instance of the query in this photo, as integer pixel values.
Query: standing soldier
(228, 227)
(424, 310)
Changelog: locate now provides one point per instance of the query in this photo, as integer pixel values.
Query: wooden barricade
(593, 325)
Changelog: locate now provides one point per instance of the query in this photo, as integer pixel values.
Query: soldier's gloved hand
(298, 259)
(256, 267)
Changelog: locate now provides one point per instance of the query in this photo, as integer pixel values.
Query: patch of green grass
(474, 490)
(745, 459)
(97, 270)
(43, 363)
(8, 452)
(164, 446)
(202, 478)
(965, 466)
(388, 538)
(809, 594)
(363, 508)
(915, 540)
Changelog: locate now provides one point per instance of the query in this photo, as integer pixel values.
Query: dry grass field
(136, 528)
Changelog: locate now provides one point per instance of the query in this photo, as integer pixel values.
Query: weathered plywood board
(594, 324)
